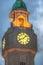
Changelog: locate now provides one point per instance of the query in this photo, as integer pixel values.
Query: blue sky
(35, 7)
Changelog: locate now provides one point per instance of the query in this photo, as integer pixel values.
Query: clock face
(3, 43)
(23, 38)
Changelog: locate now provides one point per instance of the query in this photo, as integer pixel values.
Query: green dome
(19, 5)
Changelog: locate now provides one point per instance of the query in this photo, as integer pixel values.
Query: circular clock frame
(3, 43)
(23, 38)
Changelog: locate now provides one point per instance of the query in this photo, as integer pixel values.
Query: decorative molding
(5, 52)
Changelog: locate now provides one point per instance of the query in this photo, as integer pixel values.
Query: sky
(35, 7)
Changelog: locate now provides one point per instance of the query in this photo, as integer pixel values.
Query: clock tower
(19, 44)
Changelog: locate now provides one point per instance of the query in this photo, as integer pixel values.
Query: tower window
(22, 63)
(23, 59)
(21, 19)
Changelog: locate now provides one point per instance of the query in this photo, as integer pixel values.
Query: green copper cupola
(19, 5)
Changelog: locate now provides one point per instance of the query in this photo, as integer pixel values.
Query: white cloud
(2, 61)
(39, 24)
(37, 21)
